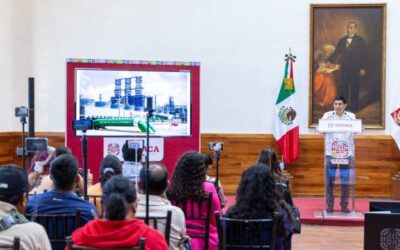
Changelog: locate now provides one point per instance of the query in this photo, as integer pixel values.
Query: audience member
(209, 162)
(62, 199)
(256, 198)
(119, 228)
(159, 205)
(109, 167)
(131, 166)
(189, 183)
(14, 187)
(268, 157)
(40, 178)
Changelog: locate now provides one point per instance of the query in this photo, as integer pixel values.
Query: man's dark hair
(109, 167)
(62, 151)
(63, 170)
(158, 179)
(340, 98)
(352, 22)
(15, 184)
(129, 153)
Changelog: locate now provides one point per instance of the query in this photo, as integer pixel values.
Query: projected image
(118, 101)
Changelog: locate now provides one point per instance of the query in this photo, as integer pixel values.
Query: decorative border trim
(141, 62)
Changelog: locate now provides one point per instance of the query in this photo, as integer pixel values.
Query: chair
(155, 220)
(96, 201)
(193, 210)
(246, 234)
(14, 246)
(71, 246)
(57, 226)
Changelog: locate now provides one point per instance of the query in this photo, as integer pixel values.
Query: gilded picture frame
(347, 58)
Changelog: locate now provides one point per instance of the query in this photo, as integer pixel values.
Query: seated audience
(14, 187)
(62, 199)
(209, 162)
(268, 157)
(256, 198)
(159, 205)
(189, 183)
(40, 179)
(109, 167)
(131, 166)
(119, 228)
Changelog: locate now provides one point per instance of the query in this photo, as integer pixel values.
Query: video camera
(83, 125)
(216, 146)
(21, 111)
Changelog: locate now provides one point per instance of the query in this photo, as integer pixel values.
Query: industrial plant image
(123, 94)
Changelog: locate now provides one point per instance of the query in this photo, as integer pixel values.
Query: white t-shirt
(339, 145)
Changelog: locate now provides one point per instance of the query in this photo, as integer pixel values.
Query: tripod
(148, 116)
(23, 122)
(217, 154)
(85, 168)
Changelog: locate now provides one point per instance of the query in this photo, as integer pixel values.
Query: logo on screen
(339, 149)
(390, 239)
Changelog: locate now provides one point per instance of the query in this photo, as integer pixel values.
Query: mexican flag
(286, 125)
(395, 126)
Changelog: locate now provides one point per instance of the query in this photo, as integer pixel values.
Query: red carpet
(308, 207)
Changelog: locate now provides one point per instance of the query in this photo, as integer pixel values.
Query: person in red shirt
(119, 228)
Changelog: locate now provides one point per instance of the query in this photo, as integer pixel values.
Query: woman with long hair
(256, 198)
(119, 228)
(189, 183)
(268, 157)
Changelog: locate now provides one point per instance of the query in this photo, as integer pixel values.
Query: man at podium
(339, 153)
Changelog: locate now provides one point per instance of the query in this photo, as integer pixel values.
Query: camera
(135, 144)
(34, 144)
(21, 111)
(83, 125)
(216, 146)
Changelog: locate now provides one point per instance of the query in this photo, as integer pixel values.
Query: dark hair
(256, 196)
(129, 153)
(62, 151)
(268, 157)
(158, 179)
(63, 170)
(207, 160)
(352, 22)
(188, 178)
(20, 181)
(340, 98)
(109, 167)
(118, 194)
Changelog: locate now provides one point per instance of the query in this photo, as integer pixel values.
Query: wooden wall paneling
(377, 160)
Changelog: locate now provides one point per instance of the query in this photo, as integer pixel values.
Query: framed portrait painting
(347, 58)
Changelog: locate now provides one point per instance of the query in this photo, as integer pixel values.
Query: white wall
(6, 101)
(240, 45)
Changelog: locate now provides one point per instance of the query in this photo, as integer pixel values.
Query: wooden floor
(328, 238)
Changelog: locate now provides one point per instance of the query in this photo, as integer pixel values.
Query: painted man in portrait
(351, 55)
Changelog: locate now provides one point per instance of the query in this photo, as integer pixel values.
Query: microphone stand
(148, 116)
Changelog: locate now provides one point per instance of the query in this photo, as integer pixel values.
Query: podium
(339, 164)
